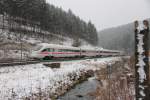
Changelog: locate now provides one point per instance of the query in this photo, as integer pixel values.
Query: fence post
(142, 60)
(109, 71)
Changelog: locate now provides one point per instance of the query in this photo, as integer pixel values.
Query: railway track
(8, 63)
(15, 63)
(27, 62)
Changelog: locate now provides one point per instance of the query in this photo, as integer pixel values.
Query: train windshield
(37, 48)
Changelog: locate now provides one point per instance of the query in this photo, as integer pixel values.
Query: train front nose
(33, 55)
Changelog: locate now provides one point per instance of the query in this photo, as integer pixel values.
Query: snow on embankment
(26, 81)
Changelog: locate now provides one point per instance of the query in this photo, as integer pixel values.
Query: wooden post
(3, 22)
(21, 47)
(109, 79)
(141, 60)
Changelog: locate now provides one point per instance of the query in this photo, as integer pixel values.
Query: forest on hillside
(118, 38)
(52, 19)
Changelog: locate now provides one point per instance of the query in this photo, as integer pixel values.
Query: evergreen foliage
(119, 38)
(51, 18)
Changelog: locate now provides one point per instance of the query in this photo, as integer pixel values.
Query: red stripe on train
(46, 53)
(59, 53)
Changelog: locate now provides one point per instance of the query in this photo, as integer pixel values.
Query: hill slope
(120, 38)
(50, 18)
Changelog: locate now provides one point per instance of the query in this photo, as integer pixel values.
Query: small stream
(81, 91)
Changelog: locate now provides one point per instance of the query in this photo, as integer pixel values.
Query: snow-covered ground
(23, 81)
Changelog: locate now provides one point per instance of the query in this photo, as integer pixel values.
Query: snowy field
(19, 82)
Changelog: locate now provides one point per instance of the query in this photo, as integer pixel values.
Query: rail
(28, 62)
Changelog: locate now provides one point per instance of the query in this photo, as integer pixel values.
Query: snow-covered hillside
(12, 43)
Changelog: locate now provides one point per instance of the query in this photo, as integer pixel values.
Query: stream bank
(82, 91)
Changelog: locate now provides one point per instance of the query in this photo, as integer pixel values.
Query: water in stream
(81, 91)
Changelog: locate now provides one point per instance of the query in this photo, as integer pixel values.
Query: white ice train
(48, 51)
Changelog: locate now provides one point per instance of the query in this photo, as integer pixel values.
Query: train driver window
(44, 50)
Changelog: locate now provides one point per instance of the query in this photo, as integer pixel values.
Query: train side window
(77, 51)
(74, 50)
(50, 50)
(70, 51)
(65, 50)
(59, 50)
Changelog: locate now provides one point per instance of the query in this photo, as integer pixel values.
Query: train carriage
(48, 51)
(89, 52)
(105, 52)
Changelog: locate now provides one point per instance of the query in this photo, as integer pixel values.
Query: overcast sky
(107, 13)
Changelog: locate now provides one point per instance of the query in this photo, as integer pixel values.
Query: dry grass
(118, 87)
(121, 85)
